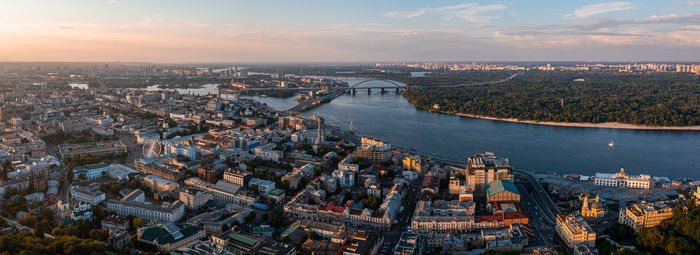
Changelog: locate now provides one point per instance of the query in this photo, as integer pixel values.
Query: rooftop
(497, 186)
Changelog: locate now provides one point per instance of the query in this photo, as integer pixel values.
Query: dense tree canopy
(655, 99)
(678, 235)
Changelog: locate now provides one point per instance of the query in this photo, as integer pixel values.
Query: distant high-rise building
(280, 74)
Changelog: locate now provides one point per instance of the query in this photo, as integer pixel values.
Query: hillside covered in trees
(655, 99)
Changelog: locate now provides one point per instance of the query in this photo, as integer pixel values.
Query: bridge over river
(392, 85)
(338, 91)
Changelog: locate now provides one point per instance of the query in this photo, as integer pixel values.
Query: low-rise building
(171, 236)
(97, 149)
(645, 215)
(90, 172)
(115, 222)
(238, 177)
(87, 194)
(158, 183)
(134, 204)
(118, 227)
(409, 244)
(276, 194)
(194, 199)
(82, 211)
(264, 186)
(502, 190)
(623, 180)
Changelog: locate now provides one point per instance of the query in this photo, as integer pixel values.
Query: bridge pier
(369, 91)
(353, 91)
(383, 91)
(397, 90)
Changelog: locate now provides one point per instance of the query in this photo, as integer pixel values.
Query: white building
(134, 204)
(345, 178)
(621, 179)
(267, 152)
(85, 194)
(181, 150)
(345, 165)
(90, 171)
(264, 186)
(120, 172)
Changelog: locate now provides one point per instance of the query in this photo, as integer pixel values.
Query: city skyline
(311, 31)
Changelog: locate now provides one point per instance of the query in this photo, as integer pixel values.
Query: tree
(347, 196)
(254, 189)
(137, 223)
(224, 228)
(387, 163)
(69, 175)
(312, 235)
(250, 217)
(372, 202)
(99, 234)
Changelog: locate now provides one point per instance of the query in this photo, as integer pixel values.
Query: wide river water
(528, 146)
(532, 147)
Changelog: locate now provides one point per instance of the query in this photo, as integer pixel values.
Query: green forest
(652, 99)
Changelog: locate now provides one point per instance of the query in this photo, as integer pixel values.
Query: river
(532, 147)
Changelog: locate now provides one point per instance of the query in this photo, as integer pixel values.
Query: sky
(348, 31)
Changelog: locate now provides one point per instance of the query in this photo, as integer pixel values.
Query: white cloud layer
(596, 9)
(471, 12)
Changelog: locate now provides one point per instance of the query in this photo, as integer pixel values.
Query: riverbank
(614, 125)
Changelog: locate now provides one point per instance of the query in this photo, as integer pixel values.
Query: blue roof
(498, 186)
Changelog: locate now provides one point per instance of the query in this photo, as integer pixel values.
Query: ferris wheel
(151, 148)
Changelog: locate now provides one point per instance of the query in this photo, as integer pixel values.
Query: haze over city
(332, 31)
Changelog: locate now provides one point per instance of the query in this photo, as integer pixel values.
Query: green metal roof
(276, 192)
(495, 187)
(161, 235)
(243, 239)
(291, 229)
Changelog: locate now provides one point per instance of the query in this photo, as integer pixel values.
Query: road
(403, 219)
(17, 225)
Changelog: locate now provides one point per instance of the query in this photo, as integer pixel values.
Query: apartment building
(486, 168)
(374, 151)
(573, 229)
(194, 199)
(238, 177)
(645, 215)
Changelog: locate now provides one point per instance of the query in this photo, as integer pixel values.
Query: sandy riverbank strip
(616, 125)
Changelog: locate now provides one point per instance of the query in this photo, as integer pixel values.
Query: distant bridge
(394, 85)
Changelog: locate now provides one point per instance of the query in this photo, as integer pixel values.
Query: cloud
(677, 19)
(471, 12)
(694, 3)
(595, 9)
(111, 1)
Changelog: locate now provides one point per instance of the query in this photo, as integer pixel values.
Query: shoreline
(612, 125)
